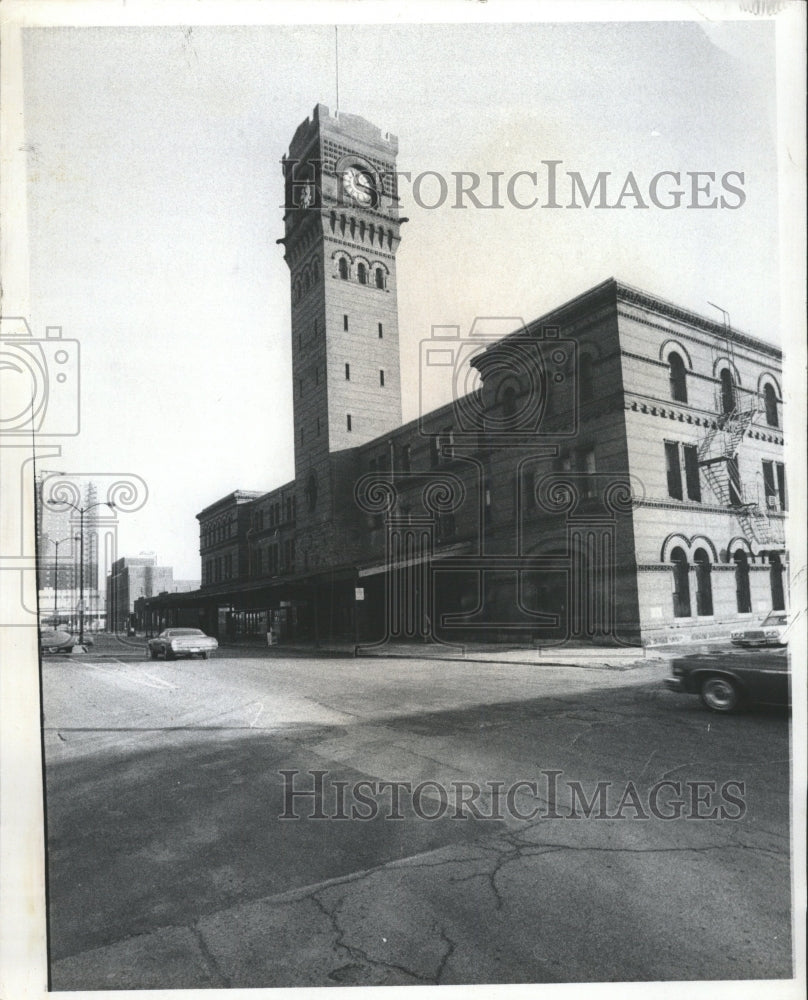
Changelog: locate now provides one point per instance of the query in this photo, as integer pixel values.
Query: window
(733, 482)
(770, 404)
(347, 372)
(678, 377)
(509, 401)
(774, 485)
(379, 278)
(692, 480)
(446, 527)
(348, 420)
(343, 268)
(586, 463)
(381, 331)
(681, 584)
(743, 596)
(776, 583)
(381, 377)
(362, 274)
(345, 321)
(704, 587)
(673, 469)
(586, 383)
(727, 391)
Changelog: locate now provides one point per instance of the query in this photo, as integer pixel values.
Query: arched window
(678, 377)
(681, 584)
(727, 391)
(587, 385)
(343, 268)
(776, 583)
(362, 274)
(379, 278)
(770, 403)
(704, 586)
(743, 595)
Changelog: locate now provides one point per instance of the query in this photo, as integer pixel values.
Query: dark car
(52, 640)
(727, 680)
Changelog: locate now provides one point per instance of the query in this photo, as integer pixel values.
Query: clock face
(358, 185)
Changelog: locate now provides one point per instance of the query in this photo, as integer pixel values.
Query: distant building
(60, 552)
(135, 578)
(618, 476)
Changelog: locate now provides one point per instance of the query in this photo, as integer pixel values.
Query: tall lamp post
(56, 545)
(81, 511)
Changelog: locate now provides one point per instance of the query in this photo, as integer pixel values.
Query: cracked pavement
(169, 866)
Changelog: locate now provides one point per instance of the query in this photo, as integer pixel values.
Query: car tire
(720, 694)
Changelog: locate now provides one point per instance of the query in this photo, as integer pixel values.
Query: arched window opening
(362, 274)
(727, 391)
(379, 278)
(678, 378)
(586, 382)
(770, 404)
(343, 268)
(776, 583)
(743, 596)
(681, 584)
(704, 586)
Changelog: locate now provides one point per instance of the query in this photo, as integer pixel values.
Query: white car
(173, 642)
(770, 632)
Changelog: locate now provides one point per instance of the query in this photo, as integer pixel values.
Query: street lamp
(81, 511)
(56, 579)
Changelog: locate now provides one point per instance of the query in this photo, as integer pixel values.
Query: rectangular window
(381, 331)
(348, 420)
(780, 469)
(381, 377)
(673, 469)
(692, 472)
(733, 481)
(774, 485)
(347, 372)
(345, 321)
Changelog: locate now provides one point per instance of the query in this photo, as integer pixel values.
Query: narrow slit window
(381, 377)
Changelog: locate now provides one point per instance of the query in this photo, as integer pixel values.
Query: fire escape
(718, 460)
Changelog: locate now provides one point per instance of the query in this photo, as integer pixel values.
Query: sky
(154, 205)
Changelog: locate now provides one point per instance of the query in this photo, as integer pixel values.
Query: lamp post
(56, 579)
(81, 511)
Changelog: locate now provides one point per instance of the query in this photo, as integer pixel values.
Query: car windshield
(183, 631)
(775, 618)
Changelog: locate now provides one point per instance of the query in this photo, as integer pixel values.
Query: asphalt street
(174, 858)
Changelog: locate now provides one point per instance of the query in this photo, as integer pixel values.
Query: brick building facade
(615, 475)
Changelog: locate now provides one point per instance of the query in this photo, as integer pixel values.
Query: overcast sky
(154, 201)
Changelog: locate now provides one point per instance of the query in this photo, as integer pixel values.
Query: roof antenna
(336, 63)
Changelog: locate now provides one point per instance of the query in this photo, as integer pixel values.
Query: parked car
(57, 640)
(173, 642)
(727, 680)
(770, 632)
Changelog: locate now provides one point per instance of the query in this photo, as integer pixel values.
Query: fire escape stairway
(717, 458)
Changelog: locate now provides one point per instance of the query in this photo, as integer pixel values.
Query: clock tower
(341, 236)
